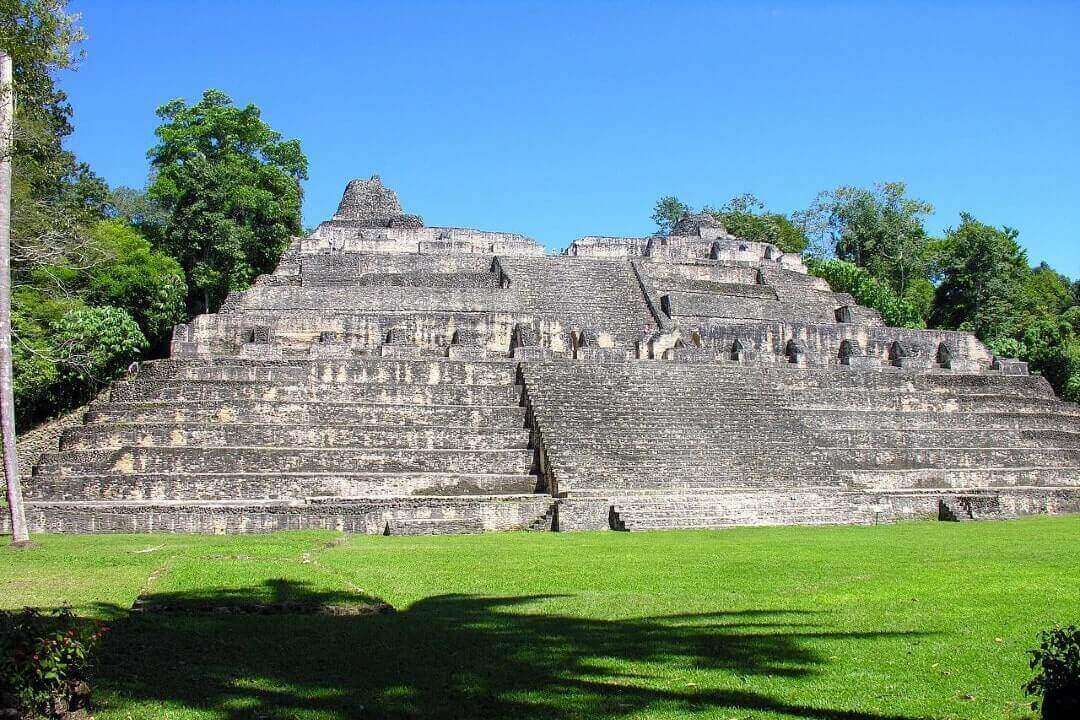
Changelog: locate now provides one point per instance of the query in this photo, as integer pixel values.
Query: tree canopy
(880, 229)
(230, 187)
(984, 276)
(744, 216)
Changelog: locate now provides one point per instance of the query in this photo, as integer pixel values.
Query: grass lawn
(916, 620)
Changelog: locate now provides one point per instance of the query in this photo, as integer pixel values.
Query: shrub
(94, 345)
(867, 290)
(1057, 677)
(45, 662)
(148, 284)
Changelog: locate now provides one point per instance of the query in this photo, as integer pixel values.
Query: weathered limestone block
(1010, 366)
(467, 344)
(852, 355)
(908, 356)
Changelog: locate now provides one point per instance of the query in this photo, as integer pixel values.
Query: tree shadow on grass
(285, 651)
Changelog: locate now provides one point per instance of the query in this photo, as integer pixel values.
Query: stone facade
(395, 378)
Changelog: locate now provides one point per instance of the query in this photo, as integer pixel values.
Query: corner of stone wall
(32, 444)
(536, 436)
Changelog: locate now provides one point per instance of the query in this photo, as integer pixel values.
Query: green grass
(917, 620)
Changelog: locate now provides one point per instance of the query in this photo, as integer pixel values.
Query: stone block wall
(391, 377)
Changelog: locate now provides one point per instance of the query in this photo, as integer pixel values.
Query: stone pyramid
(394, 378)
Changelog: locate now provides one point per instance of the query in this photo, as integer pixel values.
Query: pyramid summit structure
(390, 377)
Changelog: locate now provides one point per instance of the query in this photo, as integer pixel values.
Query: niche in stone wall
(848, 350)
(796, 353)
(944, 356)
(897, 352)
(665, 304)
(742, 350)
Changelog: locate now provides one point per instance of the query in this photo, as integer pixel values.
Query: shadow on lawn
(448, 656)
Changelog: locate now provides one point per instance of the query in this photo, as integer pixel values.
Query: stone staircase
(319, 437)
(664, 445)
(393, 378)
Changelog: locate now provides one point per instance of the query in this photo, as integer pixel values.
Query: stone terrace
(394, 378)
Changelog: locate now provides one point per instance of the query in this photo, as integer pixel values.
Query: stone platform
(395, 378)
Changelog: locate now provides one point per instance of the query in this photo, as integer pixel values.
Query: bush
(847, 277)
(45, 662)
(1057, 677)
(94, 345)
(34, 316)
(148, 284)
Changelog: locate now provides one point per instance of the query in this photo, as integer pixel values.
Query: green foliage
(231, 187)
(34, 315)
(1056, 663)
(879, 229)
(114, 278)
(93, 345)
(45, 661)
(983, 279)
(147, 284)
(846, 277)
(920, 295)
(746, 217)
(138, 209)
(667, 211)
(35, 371)
(52, 193)
(1047, 292)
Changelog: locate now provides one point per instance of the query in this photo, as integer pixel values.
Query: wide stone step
(948, 457)
(950, 476)
(1058, 437)
(867, 438)
(180, 460)
(311, 413)
(871, 419)
(100, 436)
(845, 387)
(360, 515)
(274, 485)
(372, 393)
(738, 510)
(380, 371)
(953, 437)
(927, 403)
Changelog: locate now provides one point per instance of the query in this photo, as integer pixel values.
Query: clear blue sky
(565, 119)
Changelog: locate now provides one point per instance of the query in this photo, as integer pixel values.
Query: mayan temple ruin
(395, 378)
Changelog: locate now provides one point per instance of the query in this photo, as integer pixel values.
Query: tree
(139, 210)
(746, 217)
(879, 229)
(149, 285)
(93, 346)
(867, 290)
(743, 216)
(230, 186)
(19, 531)
(1047, 292)
(53, 194)
(668, 211)
(984, 279)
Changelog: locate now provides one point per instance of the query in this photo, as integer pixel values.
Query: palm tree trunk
(19, 532)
